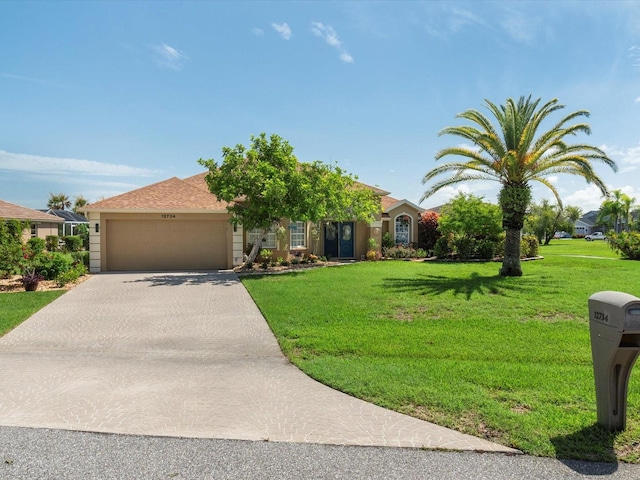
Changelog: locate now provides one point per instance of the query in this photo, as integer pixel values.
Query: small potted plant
(30, 279)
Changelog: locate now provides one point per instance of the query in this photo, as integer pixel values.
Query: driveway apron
(186, 355)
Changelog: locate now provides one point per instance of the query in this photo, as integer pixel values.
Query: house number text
(168, 215)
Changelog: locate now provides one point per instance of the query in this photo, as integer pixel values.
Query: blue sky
(99, 98)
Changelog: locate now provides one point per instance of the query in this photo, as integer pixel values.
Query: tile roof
(198, 181)
(171, 194)
(387, 202)
(11, 211)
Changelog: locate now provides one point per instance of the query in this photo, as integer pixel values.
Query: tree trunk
(511, 262)
(256, 247)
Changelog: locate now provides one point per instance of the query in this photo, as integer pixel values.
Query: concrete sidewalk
(184, 355)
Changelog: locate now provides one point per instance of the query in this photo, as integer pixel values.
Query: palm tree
(615, 210)
(79, 203)
(627, 205)
(58, 202)
(514, 154)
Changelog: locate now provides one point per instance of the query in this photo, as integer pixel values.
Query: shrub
(83, 232)
(73, 243)
(36, 245)
(52, 243)
(373, 245)
(626, 244)
(529, 246)
(387, 240)
(464, 246)
(51, 265)
(81, 257)
(372, 255)
(398, 252)
(442, 248)
(428, 233)
(265, 255)
(71, 275)
(486, 249)
(11, 253)
(421, 253)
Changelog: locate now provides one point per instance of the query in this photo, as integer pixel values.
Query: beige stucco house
(177, 224)
(40, 224)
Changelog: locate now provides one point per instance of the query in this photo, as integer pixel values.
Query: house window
(298, 234)
(268, 241)
(34, 230)
(403, 229)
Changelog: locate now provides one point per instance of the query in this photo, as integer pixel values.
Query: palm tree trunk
(514, 199)
(511, 261)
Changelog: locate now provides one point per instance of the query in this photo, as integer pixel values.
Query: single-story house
(178, 224)
(41, 224)
(71, 221)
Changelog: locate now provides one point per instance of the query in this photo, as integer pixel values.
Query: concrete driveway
(185, 355)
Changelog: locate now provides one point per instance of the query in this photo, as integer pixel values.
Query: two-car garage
(166, 244)
(170, 225)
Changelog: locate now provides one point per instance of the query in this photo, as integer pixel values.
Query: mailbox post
(614, 325)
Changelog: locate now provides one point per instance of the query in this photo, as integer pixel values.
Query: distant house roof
(172, 194)
(435, 209)
(68, 216)
(589, 218)
(11, 211)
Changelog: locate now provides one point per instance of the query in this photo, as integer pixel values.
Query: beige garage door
(139, 245)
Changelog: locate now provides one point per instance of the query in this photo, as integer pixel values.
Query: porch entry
(338, 239)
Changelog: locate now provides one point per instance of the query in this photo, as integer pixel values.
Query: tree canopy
(515, 152)
(58, 202)
(266, 183)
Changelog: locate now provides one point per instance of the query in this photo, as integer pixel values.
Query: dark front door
(338, 240)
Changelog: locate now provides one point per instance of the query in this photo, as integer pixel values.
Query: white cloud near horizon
(330, 36)
(39, 165)
(169, 57)
(283, 29)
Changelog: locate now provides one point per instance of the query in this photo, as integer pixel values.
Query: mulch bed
(13, 284)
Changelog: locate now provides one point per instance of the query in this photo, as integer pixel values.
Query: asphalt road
(58, 454)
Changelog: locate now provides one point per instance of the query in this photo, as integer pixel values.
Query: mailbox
(614, 325)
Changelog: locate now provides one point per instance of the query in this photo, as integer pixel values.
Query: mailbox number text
(601, 316)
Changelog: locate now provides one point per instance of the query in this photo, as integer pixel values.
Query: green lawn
(507, 359)
(15, 308)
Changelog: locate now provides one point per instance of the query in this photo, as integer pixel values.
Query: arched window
(403, 229)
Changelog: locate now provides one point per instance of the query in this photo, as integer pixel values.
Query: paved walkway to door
(187, 355)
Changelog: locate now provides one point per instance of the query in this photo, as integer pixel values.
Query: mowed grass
(507, 359)
(17, 307)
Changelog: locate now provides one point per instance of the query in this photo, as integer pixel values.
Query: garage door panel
(138, 245)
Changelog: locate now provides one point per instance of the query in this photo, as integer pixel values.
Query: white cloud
(330, 36)
(35, 164)
(589, 198)
(346, 58)
(168, 57)
(283, 29)
(258, 32)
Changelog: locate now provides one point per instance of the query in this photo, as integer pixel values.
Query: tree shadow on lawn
(468, 286)
(593, 443)
(187, 278)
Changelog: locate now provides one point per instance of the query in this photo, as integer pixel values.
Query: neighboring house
(71, 221)
(180, 225)
(586, 224)
(41, 224)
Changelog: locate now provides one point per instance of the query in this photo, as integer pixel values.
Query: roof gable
(171, 194)
(11, 211)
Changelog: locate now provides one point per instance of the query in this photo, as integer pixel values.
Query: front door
(338, 240)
